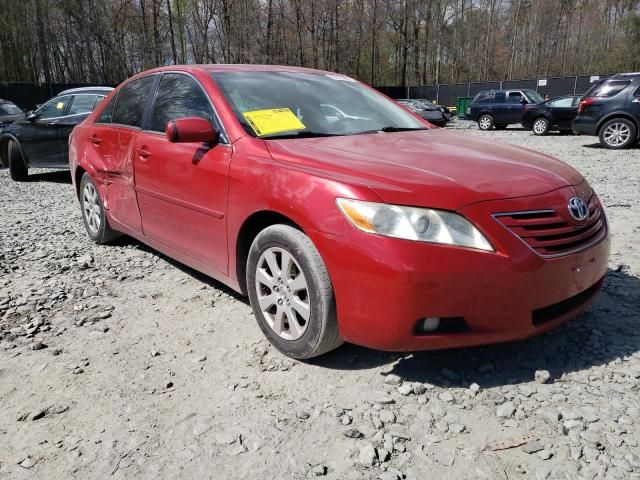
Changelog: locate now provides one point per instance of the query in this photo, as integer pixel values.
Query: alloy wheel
(540, 126)
(283, 293)
(617, 134)
(91, 208)
(485, 123)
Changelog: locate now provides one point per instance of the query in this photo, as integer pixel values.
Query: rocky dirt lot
(116, 362)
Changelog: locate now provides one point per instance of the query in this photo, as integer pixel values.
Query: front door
(564, 110)
(182, 187)
(40, 137)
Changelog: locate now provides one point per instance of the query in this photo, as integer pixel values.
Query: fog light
(429, 324)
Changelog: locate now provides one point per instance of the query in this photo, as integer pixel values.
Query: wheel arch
(4, 150)
(250, 228)
(619, 114)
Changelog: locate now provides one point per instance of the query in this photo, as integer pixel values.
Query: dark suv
(611, 110)
(499, 108)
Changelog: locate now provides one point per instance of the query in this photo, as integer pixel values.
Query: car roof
(104, 90)
(219, 67)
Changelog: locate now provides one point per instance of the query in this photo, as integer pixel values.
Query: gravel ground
(117, 362)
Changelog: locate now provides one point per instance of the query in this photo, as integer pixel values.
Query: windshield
(534, 96)
(9, 109)
(295, 104)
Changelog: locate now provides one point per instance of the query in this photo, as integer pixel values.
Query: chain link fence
(448, 93)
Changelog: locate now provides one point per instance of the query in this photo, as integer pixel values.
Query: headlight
(411, 223)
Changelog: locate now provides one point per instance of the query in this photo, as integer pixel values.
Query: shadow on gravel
(58, 176)
(125, 240)
(598, 145)
(607, 331)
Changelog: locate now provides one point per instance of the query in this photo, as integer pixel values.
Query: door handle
(95, 140)
(143, 153)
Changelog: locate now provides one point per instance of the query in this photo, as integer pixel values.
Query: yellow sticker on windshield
(60, 105)
(274, 120)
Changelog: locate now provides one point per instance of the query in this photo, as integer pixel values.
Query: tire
(270, 293)
(17, 168)
(618, 133)
(93, 216)
(501, 126)
(540, 126)
(485, 122)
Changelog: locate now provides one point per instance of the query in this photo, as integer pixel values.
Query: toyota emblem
(578, 209)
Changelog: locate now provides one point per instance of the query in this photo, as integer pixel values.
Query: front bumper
(384, 286)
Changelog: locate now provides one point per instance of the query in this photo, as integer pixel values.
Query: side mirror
(31, 115)
(192, 130)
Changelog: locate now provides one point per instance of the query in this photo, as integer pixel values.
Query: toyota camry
(343, 216)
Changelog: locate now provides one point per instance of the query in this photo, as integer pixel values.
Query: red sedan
(341, 215)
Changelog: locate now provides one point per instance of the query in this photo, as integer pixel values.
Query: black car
(9, 113)
(500, 108)
(41, 139)
(428, 111)
(611, 110)
(555, 114)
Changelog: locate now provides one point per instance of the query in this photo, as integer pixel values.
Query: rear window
(609, 88)
(483, 97)
(131, 101)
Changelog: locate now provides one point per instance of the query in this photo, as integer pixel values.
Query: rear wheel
(485, 122)
(17, 168)
(291, 293)
(540, 126)
(618, 133)
(93, 215)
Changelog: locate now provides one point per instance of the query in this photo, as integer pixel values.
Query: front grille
(557, 310)
(550, 235)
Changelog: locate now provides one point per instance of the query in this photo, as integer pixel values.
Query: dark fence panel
(430, 92)
(519, 84)
(447, 94)
(28, 95)
(476, 87)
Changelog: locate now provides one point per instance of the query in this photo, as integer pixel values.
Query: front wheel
(485, 122)
(618, 133)
(93, 215)
(291, 294)
(540, 126)
(17, 168)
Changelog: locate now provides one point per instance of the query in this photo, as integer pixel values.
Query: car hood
(433, 168)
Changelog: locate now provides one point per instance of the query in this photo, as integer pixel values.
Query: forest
(381, 42)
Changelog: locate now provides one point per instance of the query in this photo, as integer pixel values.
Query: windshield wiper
(399, 129)
(303, 134)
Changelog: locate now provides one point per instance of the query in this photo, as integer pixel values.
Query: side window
(609, 88)
(54, 107)
(515, 97)
(501, 97)
(129, 106)
(99, 101)
(483, 97)
(178, 96)
(82, 104)
(561, 102)
(107, 114)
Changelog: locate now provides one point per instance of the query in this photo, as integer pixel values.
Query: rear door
(112, 140)
(40, 137)
(563, 111)
(634, 105)
(500, 108)
(182, 187)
